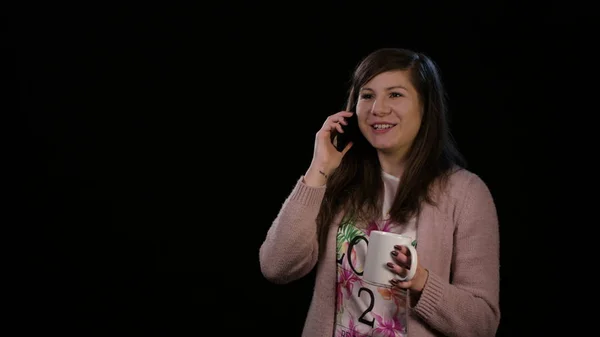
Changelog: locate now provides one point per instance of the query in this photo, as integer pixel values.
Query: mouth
(382, 126)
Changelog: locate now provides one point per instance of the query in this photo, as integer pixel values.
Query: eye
(396, 95)
(366, 96)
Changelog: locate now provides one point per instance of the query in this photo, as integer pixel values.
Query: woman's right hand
(326, 158)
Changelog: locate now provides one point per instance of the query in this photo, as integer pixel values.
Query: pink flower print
(387, 327)
(352, 330)
(393, 294)
(352, 253)
(346, 279)
(386, 226)
(371, 227)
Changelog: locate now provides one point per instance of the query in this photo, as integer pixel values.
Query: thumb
(347, 148)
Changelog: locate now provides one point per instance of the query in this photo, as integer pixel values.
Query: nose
(380, 108)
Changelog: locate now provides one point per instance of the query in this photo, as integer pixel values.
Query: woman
(401, 173)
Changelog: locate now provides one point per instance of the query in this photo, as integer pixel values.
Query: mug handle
(413, 265)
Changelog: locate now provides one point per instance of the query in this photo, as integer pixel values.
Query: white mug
(381, 245)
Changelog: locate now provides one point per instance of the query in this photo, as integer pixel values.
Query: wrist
(417, 286)
(316, 176)
(420, 280)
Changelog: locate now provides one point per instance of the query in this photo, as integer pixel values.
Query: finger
(401, 259)
(334, 126)
(325, 132)
(344, 113)
(403, 251)
(397, 284)
(338, 119)
(347, 148)
(327, 128)
(397, 269)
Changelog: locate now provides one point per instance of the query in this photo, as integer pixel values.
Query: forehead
(389, 79)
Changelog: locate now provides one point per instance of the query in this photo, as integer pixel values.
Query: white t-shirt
(364, 309)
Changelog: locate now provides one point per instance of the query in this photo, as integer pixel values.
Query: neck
(392, 163)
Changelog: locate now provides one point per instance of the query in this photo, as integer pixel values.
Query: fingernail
(398, 247)
(395, 253)
(391, 265)
(393, 281)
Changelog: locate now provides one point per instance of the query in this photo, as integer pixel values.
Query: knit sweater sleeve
(290, 249)
(469, 304)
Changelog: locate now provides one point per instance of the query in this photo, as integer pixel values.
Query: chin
(383, 147)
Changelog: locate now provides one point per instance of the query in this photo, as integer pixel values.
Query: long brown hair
(356, 185)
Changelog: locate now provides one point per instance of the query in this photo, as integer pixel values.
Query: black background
(163, 138)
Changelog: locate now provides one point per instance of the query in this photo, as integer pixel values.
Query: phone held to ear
(340, 140)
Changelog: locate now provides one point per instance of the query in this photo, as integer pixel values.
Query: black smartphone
(340, 140)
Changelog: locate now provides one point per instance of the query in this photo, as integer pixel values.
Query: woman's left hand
(401, 262)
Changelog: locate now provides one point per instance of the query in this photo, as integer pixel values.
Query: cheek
(363, 127)
(414, 126)
(416, 117)
(410, 114)
(361, 110)
(362, 120)
(361, 114)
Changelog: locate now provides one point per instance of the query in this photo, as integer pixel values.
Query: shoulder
(462, 187)
(461, 182)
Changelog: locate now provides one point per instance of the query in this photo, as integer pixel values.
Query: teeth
(382, 126)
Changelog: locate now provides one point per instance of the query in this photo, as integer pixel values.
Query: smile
(382, 126)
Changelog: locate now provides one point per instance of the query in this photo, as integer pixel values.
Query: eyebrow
(388, 88)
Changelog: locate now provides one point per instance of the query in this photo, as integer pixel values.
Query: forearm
(455, 311)
(290, 249)
(467, 303)
(316, 176)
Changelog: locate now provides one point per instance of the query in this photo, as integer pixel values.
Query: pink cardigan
(458, 244)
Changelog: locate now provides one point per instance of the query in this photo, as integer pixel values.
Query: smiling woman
(389, 116)
(400, 173)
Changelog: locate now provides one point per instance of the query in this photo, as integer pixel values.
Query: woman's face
(389, 112)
